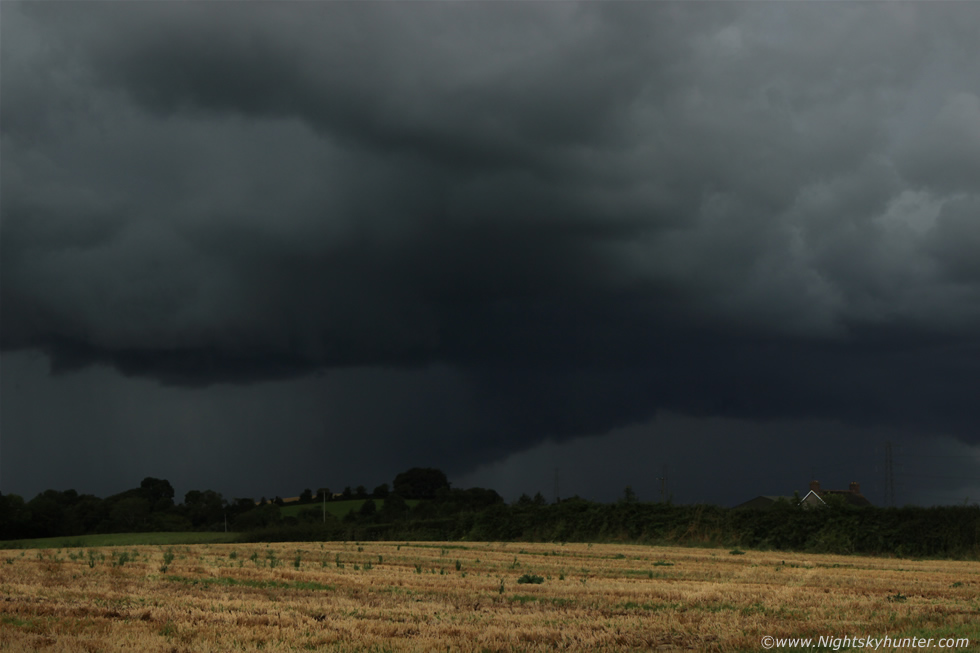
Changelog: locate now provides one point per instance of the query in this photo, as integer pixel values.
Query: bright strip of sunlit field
(467, 596)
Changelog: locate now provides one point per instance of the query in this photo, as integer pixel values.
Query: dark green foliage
(168, 557)
(530, 578)
(481, 514)
(204, 509)
(130, 513)
(15, 517)
(420, 483)
(368, 509)
(47, 512)
(314, 513)
(475, 498)
(241, 505)
(157, 490)
(393, 508)
(256, 518)
(226, 581)
(312, 532)
(86, 512)
(381, 492)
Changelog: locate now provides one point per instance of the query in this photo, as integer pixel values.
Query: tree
(158, 492)
(346, 494)
(419, 483)
(360, 492)
(368, 508)
(473, 499)
(15, 517)
(85, 515)
(258, 517)
(306, 496)
(381, 492)
(244, 504)
(48, 512)
(205, 508)
(130, 513)
(393, 507)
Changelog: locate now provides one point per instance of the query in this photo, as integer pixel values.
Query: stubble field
(372, 596)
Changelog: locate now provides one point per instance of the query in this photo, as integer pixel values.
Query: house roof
(851, 498)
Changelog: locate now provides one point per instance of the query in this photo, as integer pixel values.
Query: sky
(545, 247)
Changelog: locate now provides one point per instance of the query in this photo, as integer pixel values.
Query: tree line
(481, 515)
(478, 514)
(151, 507)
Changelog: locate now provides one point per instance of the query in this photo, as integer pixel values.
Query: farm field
(383, 596)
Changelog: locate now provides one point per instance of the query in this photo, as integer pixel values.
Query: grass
(226, 581)
(530, 579)
(338, 509)
(969, 631)
(119, 539)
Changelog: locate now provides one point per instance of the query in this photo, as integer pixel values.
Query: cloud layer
(591, 212)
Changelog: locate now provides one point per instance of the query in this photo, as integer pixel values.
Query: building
(818, 497)
(815, 497)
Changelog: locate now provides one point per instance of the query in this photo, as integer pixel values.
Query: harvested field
(374, 596)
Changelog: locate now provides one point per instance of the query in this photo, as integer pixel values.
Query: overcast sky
(259, 247)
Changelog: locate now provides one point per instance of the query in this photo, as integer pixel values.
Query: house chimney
(814, 486)
(855, 487)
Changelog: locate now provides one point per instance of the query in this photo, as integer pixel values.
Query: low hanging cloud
(592, 212)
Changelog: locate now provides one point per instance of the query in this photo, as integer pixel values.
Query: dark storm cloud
(592, 211)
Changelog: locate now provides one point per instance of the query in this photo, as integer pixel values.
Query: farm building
(817, 497)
